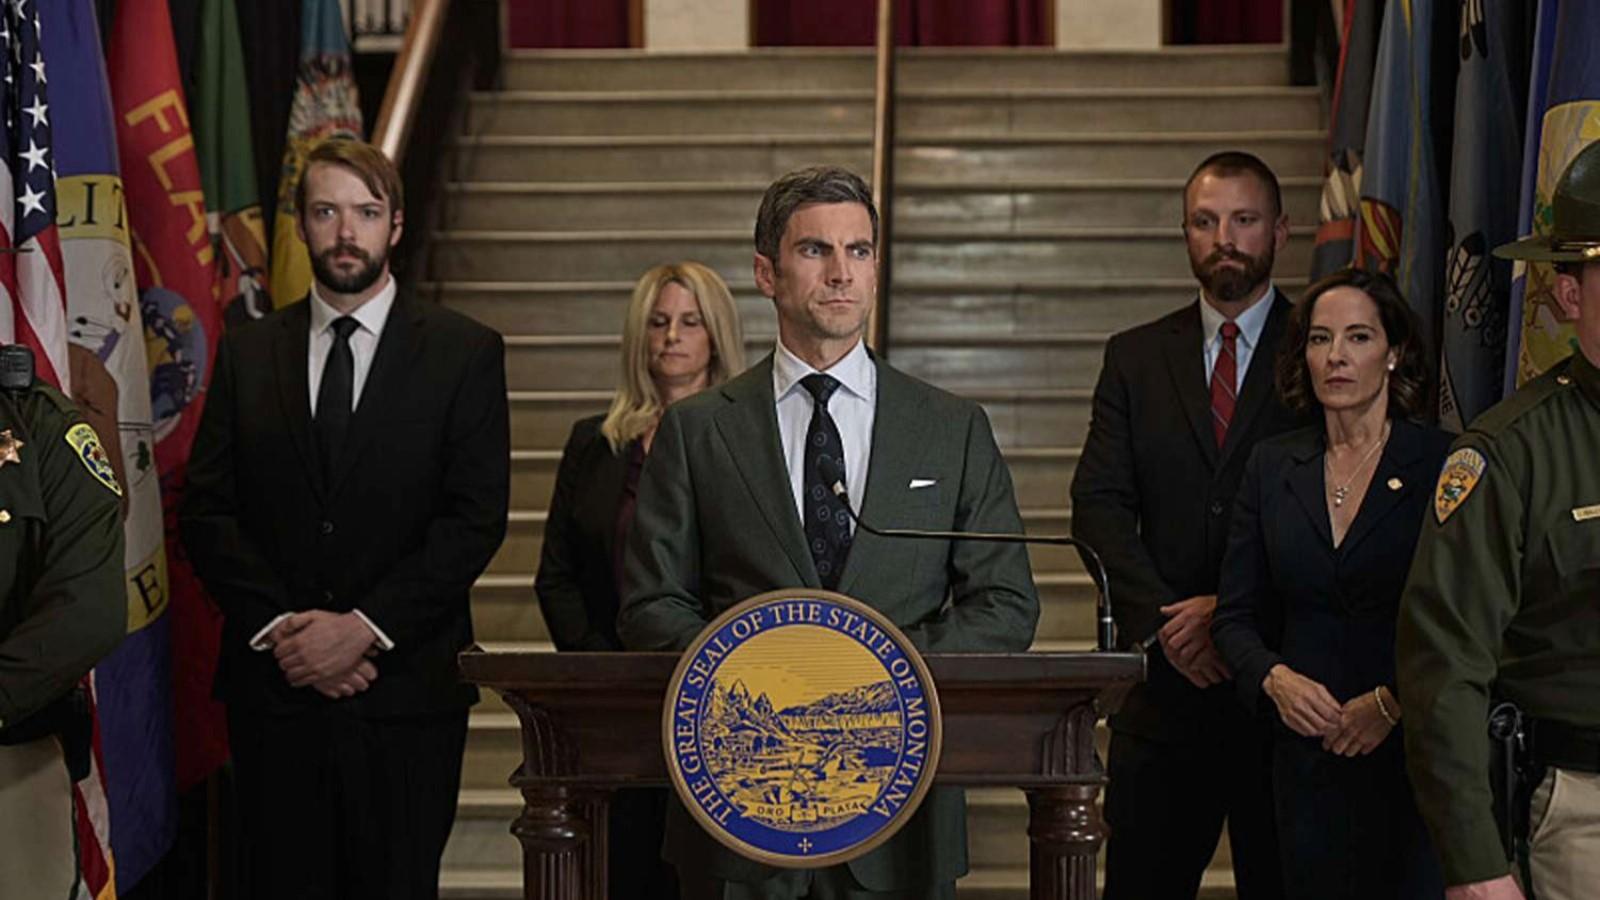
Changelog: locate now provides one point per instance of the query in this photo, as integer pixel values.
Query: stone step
(919, 114)
(1012, 884)
(1033, 255)
(1041, 475)
(1020, 417)
(953, 308)
(525, 540)
(583, 362)
(980, 884)
(916, 69)
(1160, 154)
(1004, 361)
(575, 308)
(505, 608)
(968, 208)
(993, 362)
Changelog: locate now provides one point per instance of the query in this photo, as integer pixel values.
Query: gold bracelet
(1377, 694)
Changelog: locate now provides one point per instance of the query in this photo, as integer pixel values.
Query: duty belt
(1564, 746)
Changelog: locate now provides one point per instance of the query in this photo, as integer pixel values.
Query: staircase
(1038, 197)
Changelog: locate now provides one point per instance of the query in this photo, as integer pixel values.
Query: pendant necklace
(1341, 492)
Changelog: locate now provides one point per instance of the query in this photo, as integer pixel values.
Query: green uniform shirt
(63, 605)
(1503, 598)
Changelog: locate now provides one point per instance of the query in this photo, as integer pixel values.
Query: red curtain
(1227, 21)
(567, 23)
(918, 23)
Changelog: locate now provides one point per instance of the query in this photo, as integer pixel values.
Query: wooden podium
(591, 723)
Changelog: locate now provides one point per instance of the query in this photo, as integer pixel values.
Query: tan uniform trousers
(1564, 836)
(37, 856)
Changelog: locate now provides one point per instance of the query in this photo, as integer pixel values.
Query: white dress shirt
(852, 406)
(1251, 322)
(371, 316)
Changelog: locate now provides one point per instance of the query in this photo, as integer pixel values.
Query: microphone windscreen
(16, 367)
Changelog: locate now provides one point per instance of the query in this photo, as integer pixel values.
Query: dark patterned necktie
(827, 524)
(1224, 381)
(335, 393)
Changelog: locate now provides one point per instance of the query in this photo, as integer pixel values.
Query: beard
(354, 282)
(1227, 284)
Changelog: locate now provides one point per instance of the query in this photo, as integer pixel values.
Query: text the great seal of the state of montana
(801, 728)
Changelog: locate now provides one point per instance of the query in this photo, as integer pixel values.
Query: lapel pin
(5, 516)
(1395, 484)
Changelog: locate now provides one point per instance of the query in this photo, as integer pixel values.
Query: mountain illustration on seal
(806, 766)
(733, 710)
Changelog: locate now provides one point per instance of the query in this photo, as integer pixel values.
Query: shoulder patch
(86, 444)
(1460, 475)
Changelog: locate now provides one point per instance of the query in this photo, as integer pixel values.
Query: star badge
(9, 447)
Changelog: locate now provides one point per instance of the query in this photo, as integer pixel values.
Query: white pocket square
(923, 482)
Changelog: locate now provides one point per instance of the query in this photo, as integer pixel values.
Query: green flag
(227, 165)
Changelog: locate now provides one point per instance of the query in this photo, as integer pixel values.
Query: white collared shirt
(1251, 323)
(371, 316)
(852, 406)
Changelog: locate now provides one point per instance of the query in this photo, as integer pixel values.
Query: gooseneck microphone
(1106, 639)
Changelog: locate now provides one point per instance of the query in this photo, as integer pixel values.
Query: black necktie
(827, 523)
(334, 395)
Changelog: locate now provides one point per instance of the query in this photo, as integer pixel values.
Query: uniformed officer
(1503, 601)
(62, 608)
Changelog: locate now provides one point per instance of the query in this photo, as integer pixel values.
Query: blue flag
(1347, 138)
(107, 331)
(1570, 122)
(1401, 227)
(1487, 151)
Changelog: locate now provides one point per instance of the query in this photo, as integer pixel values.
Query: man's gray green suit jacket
(716, 524)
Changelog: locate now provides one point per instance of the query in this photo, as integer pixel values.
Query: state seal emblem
(801, 728)
(1460, 475)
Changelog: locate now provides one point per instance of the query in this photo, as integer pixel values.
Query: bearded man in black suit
(1179, 405)
(348, 483)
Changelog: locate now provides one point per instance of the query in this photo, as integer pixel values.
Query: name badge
(1585, 513)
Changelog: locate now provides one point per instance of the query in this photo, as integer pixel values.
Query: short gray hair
(817, 184)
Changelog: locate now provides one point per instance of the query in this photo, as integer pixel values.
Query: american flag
(33, 311)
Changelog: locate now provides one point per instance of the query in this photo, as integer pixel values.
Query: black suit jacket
(1153, 493)
(414, 509)
(576, 583)
(1289, 596)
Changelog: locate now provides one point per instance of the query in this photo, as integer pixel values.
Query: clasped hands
(326, 650)
(1186, 640)
(1354, 728)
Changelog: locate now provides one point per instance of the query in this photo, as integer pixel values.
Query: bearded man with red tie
(1180, 403)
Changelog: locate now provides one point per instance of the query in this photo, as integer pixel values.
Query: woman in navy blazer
(1323, 531)
(680, 334)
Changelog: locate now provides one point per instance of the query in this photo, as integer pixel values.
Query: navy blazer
(1289, 596)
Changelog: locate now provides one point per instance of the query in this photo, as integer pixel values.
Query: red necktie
(1224, 375)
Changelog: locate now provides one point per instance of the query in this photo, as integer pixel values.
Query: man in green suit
(735, 500)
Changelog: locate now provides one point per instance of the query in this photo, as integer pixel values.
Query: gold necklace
(1341, 492)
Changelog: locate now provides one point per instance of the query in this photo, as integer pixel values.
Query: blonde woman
(681, 335)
